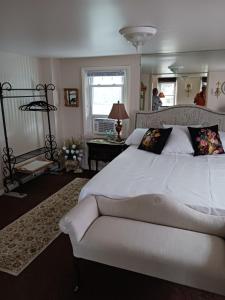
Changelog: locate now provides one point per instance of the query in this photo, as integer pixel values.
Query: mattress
(198, 182)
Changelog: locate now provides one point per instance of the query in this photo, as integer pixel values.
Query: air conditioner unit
(101, 125)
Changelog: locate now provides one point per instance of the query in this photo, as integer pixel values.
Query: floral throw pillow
(206, 140)
(155, 139)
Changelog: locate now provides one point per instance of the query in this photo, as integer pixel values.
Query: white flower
(74, 157)
(77, 151)
(66, 156)
(72, 151)
(79, 158)
(67, 151)
(81, 154)
(74, 146)
(64, 148)
(81, 150)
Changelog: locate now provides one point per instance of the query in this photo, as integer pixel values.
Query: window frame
(91, 86)
(88, 117)
(172, 95)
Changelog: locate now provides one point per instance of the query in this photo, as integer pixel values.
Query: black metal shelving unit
(40, 92)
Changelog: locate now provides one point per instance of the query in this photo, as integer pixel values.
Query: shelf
(34, 166)
(31, 154)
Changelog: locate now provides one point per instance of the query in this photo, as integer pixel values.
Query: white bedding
(198, 181)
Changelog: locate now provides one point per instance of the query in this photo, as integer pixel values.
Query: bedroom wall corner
(51, 70)
(146, 79)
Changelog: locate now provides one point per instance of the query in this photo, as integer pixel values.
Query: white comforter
(198, 181)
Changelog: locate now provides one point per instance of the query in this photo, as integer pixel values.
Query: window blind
(106, 73)
(204, 79)
(167, 79)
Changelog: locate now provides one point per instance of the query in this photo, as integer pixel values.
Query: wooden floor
(51, 275)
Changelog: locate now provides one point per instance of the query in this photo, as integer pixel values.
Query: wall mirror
(71, 97)
(179, 76)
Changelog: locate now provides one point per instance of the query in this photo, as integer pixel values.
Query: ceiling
(84, 28)
(183, 63)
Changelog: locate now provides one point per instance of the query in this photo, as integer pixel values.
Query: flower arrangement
(110, 135)
(72, 153)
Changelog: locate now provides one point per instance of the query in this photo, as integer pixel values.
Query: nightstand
(103, 150)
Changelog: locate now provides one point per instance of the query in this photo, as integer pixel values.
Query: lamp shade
(161, 95)
(118, 112)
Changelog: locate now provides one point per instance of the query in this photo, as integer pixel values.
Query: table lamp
(118, 112)
(161, 95)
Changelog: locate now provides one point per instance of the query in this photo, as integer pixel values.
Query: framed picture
(71, 97)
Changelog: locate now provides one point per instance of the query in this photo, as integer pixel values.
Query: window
(168, 87)
(103, 88)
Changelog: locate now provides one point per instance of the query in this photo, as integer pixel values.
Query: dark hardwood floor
(51, 275)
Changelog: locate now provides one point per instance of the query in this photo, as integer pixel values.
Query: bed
(196, 181)
(154, 214)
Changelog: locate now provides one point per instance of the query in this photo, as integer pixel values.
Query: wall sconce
(218, 89)
(188, 88)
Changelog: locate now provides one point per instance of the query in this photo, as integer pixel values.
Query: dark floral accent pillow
(206, 140)
(155, 139)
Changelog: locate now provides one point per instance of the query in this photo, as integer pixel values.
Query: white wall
(68, 75)
(213, 102)
(25, 129)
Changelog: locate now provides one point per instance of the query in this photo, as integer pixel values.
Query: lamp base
(118, 139)
(118, 126)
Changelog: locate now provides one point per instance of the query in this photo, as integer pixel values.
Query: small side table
(103, 150)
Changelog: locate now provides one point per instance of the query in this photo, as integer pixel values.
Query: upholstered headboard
(181, 115)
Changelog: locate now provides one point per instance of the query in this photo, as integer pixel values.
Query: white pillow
(136, 136)
(179, 140)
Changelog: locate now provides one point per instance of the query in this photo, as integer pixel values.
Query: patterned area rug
(24, 239)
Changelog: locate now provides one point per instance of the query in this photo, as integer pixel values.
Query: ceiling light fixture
(175, 69)
(138, 35)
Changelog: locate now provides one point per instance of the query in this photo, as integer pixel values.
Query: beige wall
(213, 102)
(68, 75)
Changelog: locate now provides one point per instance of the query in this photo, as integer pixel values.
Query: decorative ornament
(188, 88)
(218, 89)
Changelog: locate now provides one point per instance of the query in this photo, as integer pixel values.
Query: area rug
(24, 239)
